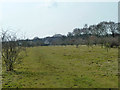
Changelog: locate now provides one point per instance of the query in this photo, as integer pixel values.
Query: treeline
(104, 33)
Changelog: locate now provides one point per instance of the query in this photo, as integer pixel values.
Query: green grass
(65, 67)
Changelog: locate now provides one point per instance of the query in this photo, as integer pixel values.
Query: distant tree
(70, 34)
(86, 30)
(113, 28)
(76, 32)
(36, 38)
(92, 30)
(57, 35)
(102, 29)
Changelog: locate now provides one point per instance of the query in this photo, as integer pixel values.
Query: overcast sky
(48, 18)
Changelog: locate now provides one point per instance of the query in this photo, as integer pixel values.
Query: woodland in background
(104, 34)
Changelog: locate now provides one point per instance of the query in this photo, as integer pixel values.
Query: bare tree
(11, 49)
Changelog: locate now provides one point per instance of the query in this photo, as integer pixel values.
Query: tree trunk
(77, 46)
(9, 67)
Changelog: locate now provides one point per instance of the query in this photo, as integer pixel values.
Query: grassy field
(65, 67)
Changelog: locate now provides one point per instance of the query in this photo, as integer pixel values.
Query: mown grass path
(65, 67)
